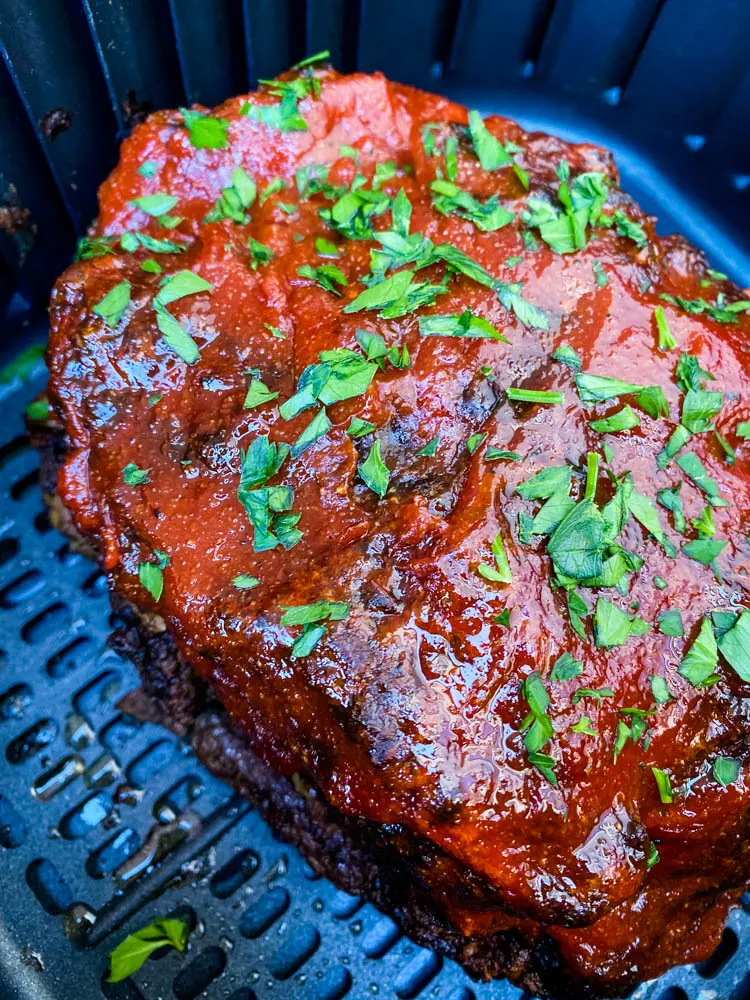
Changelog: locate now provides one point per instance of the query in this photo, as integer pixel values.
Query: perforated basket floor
(105, 818)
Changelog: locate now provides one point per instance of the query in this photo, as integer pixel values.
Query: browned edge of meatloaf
(380, 863)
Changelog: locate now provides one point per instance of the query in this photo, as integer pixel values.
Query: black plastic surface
(665, 83)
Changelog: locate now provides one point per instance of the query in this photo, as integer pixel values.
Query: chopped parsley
(734, 645)
(565, 668)
(310, 617)
(157, 204)
(112, 307)
(243, 581)
(258, 394)
(130, 954)
(359, 428)
(205, 131)
(259, 253)
(501, 571)
(151, 577)
(612, 627)
(537, 727)
(545, 397)
(234, 200)
(726, 770)
(567, 356)
(327, 276)
(623, 420)
(269, 508)
(670, 623)
(599, 274)
(500, 454)
(450, 199)
(317, 428)
(374, 473)
(133, 476)
(474, 441)
(701, 658)
(666, 339)
(663, 785)
(464, 324)
(660, 690)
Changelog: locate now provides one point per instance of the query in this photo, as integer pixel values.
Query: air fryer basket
(105, 823)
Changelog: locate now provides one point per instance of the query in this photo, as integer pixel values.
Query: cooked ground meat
(406, 437)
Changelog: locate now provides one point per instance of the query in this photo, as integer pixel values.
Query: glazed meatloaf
(415, 460)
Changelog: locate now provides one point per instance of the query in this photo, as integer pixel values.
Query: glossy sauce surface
(411, 710)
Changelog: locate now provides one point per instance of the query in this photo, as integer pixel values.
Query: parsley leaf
(285, 116)
(205, 132)
(133, 476)
(155, 204)
(326, 275)
(130, 954)
(565, 668)
(374, 472)
(612, 627)
(317, 428)
(567, 356)
(112, 307)
(235, 199)
(666, 339)
(670, 623)
(359, 428)
(663, 784)
(175, 336)
(243, 581)
(543, 396)
(150, 576)
(501, 571)
(735, 646)
(488, 216)
(258, 394)
(692, 466)
(726, 770)
(464, 324)
(259, 253)
(623, 420)
(700, 660)
(177, 286)
(660, 690)
(576, 544)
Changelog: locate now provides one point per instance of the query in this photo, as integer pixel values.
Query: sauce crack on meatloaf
(403, 438)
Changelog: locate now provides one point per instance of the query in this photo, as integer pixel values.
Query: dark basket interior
(88, 798)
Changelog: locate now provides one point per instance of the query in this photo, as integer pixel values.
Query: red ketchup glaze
(410, 711)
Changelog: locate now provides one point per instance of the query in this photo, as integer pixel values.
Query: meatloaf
(416, 460)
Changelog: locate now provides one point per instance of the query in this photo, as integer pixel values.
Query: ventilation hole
(191, 981)
(176, 799)
(13, 449)
(55, 618)
(49, 887)
(243, 994)
(126, 990)
(95, 585)
(727, 947)
(8, 550)
(380, 938)
(100, 691)
(70, 657)
(68, 557)
(294, 952)
(30, 742)
(309, 872)
(25, 485)
(90, 813)
(22, 589)
(234, 874)
(42, 523)
(745, 901)
(342, 905)
(464, 993)
(107, 858)
(417, 974)
(54, 779)
(150, 762)
(674, 993)
(260, 915)
(12, 827)
(335, 984)
(15, 701)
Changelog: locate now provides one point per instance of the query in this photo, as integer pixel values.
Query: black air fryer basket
(107, 821)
